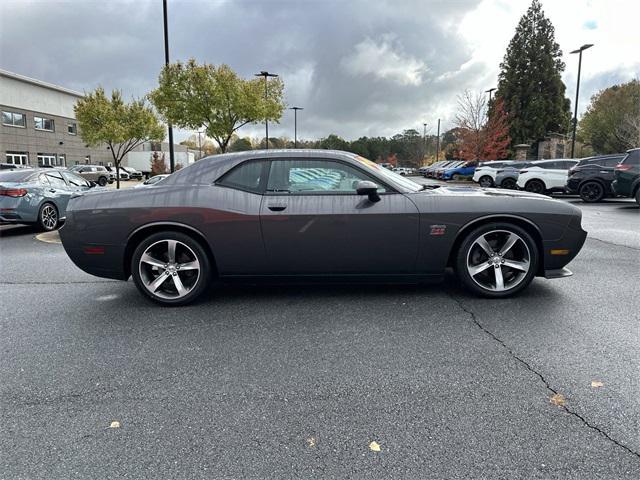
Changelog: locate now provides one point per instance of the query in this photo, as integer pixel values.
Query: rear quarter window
(633, 158)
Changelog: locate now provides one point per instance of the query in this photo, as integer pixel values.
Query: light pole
(172, 162)
(295, 125)
(200, 144)
(438, 142)
(266, 75)
(424, 140)
(490, 91)
(575, 111)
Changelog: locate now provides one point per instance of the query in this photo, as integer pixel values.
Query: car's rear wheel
(456, 178)
(102, 181)
(535, 186)
(171, 268)
(497, 260)
(591, 192)
(509, 183)
(48, 218)
(486, 181)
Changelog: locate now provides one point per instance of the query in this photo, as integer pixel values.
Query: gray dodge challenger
(309, 215)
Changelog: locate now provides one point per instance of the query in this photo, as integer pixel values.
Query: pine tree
(530, 82)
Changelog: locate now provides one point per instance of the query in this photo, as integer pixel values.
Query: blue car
(38, 196)
(467, 169)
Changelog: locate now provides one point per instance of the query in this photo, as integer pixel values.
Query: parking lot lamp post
(295, 125)
(575, 110)
(438, 142)
(172, 161)
(424, 140)
(490, 91)
(266, 75)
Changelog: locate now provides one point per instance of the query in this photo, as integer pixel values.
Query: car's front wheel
(486, 181)
(497, 260)
(171, 268)
(48, 218)
(102, 181)
(591, 192)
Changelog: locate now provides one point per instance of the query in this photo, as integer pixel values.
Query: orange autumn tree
(496, 139)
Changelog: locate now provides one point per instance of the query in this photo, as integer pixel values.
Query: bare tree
(472, 111)
(628, 132)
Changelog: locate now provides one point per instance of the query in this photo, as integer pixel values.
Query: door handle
(52, 190)
(276, 208)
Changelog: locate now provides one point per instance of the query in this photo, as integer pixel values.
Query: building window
(72, 128)
(156, 147)
(62, 160)
(14, 119)
(18, 158)
(50, 160)
(42, 123)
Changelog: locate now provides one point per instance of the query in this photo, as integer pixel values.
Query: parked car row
(40, 195)
(593, 178)
(450, 170)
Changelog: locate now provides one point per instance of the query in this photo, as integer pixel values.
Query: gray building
(39, 128)
(38, 125)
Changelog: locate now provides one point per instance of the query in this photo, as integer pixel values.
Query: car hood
(457, 191)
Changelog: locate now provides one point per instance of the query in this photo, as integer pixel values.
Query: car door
(314, 222)
(59, 190)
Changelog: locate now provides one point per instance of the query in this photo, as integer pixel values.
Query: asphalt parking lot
(297, 382)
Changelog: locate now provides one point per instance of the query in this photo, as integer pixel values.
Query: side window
(315, 176)
(633, 158)
(248, 176)
(42, 179)
(56, 181)
(611, 162)
(568, 164)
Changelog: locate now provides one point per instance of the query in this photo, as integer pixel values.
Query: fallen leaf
(374, 447)
(311, 442)
(115, 424)
(596, 384)
(557, 399)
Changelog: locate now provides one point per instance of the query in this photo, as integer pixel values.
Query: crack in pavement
(613, 243)
(475, 320)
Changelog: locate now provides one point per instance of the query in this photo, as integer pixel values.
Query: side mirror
(365, 187)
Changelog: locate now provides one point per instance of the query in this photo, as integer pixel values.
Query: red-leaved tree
(481, 138)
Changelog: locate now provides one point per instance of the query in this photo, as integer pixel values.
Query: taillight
(13, 192)
(621, 167)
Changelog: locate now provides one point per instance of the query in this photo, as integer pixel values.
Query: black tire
(638, 195)
(456, 178)
(486, 181)
(198, 284)
(102, 181)
(535, 186)
(509, 184)
(465, 252)
(591, 192)
(48, 217)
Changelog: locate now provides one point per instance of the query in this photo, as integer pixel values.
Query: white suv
(545, 175)
(485, 174)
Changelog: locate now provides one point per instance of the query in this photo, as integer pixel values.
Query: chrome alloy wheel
(498, 260)
(169, 269)
(49, 217)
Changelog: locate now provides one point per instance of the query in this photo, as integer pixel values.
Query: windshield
(388, 174)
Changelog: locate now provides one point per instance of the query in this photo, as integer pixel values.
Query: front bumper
(558, 273)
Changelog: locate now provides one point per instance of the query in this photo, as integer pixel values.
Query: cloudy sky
(372, 67)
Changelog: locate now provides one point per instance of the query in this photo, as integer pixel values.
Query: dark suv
(627, 176)
(591, 178)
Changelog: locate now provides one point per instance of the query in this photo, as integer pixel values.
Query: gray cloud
(357, 67)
